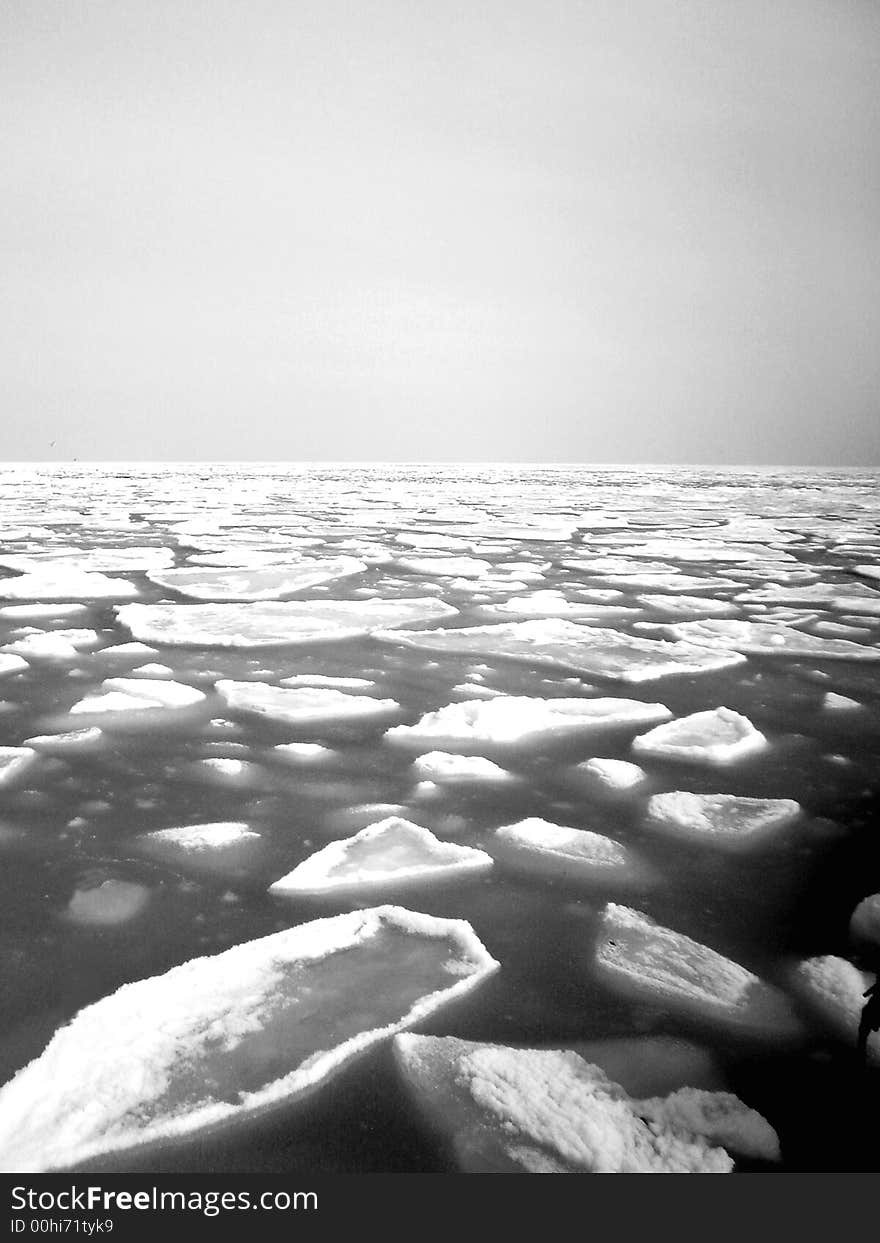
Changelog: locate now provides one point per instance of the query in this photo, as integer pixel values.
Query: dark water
(74, 823)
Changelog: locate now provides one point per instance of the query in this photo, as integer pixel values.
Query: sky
(440, 230)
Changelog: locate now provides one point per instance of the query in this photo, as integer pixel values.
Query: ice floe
(218, 1039)
(767, 639)
(66, 584)
(648, 962)
(39, 612)
(514, 720)
(843, 598)
(16, 764)
(834, 989)
(538, 604)
(274, 623)
(11, 664)
(137, 703)
(304, 705)
(447, 769)
(53, 644)
(610, 778)
(255, 584)
(596, 652)
(548, 1111)
(391, 853)
(716, 736)
(721, 819)
(107, 903)
(71, 742)
(553, 849)
(864, 925)
(446, 567)
(303, 753)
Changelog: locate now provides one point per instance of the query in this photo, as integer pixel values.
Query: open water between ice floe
(87, 904)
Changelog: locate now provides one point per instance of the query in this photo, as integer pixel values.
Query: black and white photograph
(439, 599)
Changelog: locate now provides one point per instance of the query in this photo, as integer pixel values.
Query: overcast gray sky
(526, 230)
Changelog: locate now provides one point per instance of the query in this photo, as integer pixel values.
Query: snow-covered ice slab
(15, 764)
(66, 584)
(274, 623)
(549, 1111)
(767, 639)
(594, 651)
(519, 721)
(334, 683)
(53, 644)
(303, 753)
(449, 769)
(304, 705)
(555, 850)
(385, 855)
(668, 581)
(222, 1038)
(716, 736)
(137, 703)
(255, 584)
(11, 664)
(645, 961)
(834, 989)
(726, 820)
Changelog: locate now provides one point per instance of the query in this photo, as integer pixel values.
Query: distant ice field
(570, 760)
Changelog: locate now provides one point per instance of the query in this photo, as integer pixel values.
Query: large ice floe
(726, 820)
(271, 583)
(594, 651)
(383, 856)
(304, 705)
(137, 703)
(767, 639)
(864, 924)
(219, 1039)
(62, 583)
(520, 721)
(546, 849)
(716, 736)
(540, 604)
(274, 623)
(834, 989)
(647, 962)
(539, 1111)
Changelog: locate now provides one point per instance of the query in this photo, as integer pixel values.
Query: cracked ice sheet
(520, 721)
(594, 651)
(766, 639)
(221, 1038)
(274, 623)
(255, 584)
(304, 705)
(645, 961)
(548, 1110)
(382, 856)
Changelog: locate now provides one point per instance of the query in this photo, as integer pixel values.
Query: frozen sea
(769, 576)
